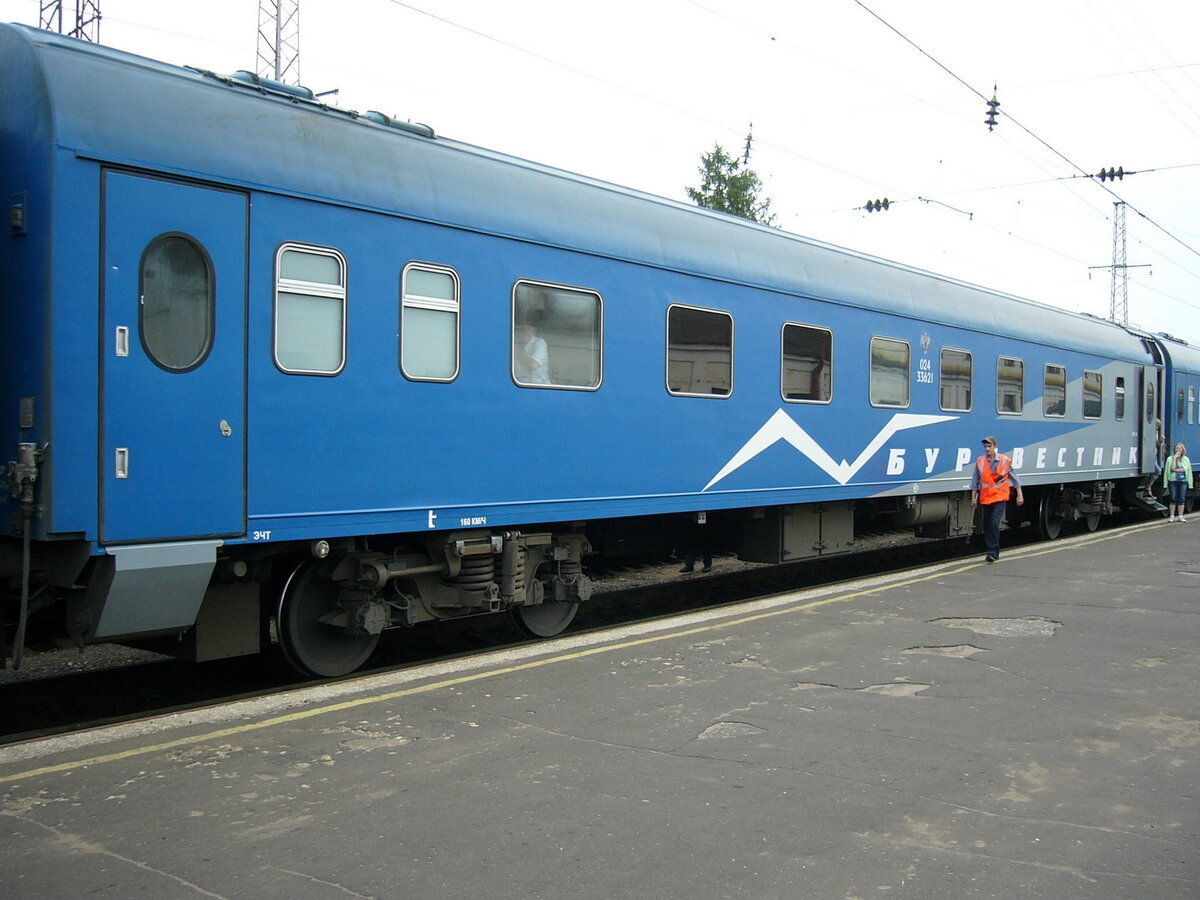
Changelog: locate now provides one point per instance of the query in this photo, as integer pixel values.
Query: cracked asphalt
(1025, 729)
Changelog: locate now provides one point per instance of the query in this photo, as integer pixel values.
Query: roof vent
(275, 87)
(411, 127)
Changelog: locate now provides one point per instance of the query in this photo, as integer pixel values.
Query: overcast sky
(850, 101)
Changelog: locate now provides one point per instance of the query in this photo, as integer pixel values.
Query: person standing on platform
(1177, 478)
(697, 545)
(991, 485)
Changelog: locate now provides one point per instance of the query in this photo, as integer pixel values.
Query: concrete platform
(1024, 729)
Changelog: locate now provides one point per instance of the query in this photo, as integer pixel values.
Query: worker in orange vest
(991, 484)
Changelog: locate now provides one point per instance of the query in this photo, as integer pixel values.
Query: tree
(726, 186)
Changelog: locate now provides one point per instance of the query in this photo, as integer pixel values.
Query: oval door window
(177, 300)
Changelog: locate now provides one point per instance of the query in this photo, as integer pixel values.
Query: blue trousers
(1178, 492)
(992, 515)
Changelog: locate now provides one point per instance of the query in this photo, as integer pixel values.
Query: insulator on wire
(993, 111)
(878, 205)
(1111, 174)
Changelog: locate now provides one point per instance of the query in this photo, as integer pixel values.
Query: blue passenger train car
(268, 361)
(1181, 393)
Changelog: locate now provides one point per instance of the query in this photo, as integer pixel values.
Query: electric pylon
(87, 19)
(279, 40)
(1118, 309)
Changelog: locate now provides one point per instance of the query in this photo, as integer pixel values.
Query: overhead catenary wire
(1009, 117)
(1081, 173)
(769, 31)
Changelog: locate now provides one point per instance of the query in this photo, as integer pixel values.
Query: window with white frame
(310, 310)
(429, 322)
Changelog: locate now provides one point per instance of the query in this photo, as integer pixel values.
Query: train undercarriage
(334, 605)
(326, 603)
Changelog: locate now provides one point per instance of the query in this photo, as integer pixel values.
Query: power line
(780, 41)
(620, 87)
(1074, 165)
(1020, 184)
(1079, 169)
(1153, 70)
(1082, 173)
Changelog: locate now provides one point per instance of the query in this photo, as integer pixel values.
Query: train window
(1010, 385)
(1054, 391)
(1149, 402)
(1191, 413)
(1119, 397)
(889, 372)
(176, 312)
(1179, 407)
(429, 301)
(557, 336)
(807, 364)
(956, 375)
(1093, 395)
(310, 310)
(699, 352)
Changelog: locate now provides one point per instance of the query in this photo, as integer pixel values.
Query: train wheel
(546, 619)
(1050, 520)
(1089, 522)
(310, 645)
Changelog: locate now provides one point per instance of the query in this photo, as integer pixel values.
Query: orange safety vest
(994, 488)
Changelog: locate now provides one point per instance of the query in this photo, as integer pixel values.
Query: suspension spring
(475, 574)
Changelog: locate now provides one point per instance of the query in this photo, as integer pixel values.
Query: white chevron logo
(782, 427)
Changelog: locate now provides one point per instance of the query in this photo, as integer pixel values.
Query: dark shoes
(686, 570)
(991, 558)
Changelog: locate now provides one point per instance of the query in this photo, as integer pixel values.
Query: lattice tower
(279, 40)
(1118, 309)
(85, 26)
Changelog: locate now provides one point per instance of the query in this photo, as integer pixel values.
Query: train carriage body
(263, 352)
(1181, 394)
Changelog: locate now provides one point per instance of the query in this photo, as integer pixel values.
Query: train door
(1148, 420)
(172, 361)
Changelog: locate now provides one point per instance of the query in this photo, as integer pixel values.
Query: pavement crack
(73, 843)
(1057, 823)
(833, 776)
(670, 751)
(321, 881)
(974, 854)
(1089, 876)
